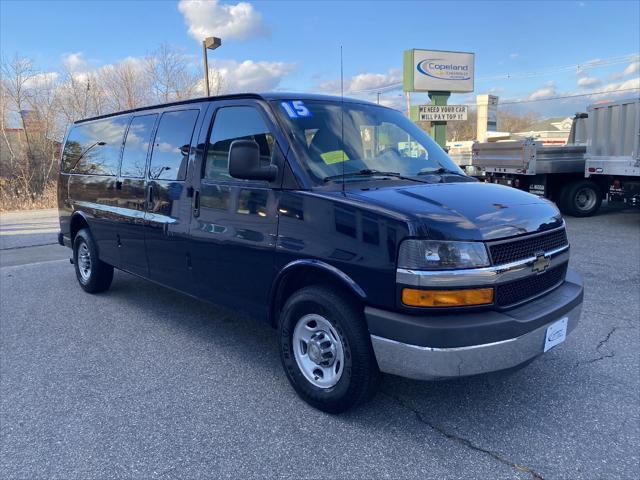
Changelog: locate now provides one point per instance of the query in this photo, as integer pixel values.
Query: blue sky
(295, 45)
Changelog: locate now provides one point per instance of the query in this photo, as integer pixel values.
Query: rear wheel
(93, 274)
(326, 350)
(580, 199)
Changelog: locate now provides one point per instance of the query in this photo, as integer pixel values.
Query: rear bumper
(445, 346)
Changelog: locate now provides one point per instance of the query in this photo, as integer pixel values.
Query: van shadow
(488, 401)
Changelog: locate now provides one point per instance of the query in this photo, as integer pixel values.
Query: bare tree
(217, 84)
(36, 108)
(511, 121)
(29, 101)
(125, 85)
(170, 74)
(463, 130)
(17, 73)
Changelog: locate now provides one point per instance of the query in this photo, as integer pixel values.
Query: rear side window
(172, 144)
(136, 146)
(233, 123)
(94, 148)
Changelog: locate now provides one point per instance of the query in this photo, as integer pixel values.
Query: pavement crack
(463, 441)
(601, 344)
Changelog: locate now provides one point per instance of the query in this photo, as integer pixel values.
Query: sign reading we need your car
(442, 113)
(438, 71)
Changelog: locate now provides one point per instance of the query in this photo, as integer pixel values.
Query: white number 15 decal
(296, 108)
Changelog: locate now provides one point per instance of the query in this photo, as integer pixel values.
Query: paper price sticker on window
(295, 109)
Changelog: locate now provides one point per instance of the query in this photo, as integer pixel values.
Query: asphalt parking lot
(142, 382)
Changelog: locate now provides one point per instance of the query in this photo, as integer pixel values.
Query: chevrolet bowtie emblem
(541, 264)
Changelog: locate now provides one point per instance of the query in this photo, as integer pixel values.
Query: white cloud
(43, 79)
(252, 76)
(631, 69)
(514, 55)
(209, 18)
(547, 90)
(365, 82)
(74, 61)
(632, 83)
(589, 82)
(393, 101)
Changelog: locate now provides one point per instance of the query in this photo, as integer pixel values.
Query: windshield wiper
(439, 171)
(366, 173)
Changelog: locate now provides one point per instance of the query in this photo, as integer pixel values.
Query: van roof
(257, 96)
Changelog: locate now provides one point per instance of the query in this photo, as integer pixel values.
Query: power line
(561, 97)
(579, 67)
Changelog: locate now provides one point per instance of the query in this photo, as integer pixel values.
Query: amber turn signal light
(447, 298)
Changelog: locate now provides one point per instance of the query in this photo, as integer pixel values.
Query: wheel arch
(301, 273)
(78, 222)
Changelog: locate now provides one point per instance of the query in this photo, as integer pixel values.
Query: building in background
(553, 131)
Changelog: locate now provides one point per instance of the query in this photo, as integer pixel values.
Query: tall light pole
(209, 43)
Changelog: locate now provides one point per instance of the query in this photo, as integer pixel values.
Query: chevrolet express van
(339, 222)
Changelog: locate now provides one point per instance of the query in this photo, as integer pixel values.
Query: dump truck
(612, 159)
(554, 172)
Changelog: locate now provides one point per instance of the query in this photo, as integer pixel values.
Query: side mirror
(244, 162)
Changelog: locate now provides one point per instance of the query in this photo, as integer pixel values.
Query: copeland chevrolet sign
(434, 70)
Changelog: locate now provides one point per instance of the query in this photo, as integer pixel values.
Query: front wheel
(93, 274)
(326, 350)
(580, 199)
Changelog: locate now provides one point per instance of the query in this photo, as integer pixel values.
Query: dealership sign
(442, 113)
(438, 71)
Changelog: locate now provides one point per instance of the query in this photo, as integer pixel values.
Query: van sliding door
(168, 201)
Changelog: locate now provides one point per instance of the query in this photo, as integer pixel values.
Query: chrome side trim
(427, 363)
(479, 276)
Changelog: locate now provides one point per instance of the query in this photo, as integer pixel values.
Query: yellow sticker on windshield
(335, 156)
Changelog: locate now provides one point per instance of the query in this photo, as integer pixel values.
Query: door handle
(196, 203)
(149, 197)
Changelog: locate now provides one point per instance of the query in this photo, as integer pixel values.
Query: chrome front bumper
(426, 363)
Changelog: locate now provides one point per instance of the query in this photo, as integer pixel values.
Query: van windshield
(363, 140)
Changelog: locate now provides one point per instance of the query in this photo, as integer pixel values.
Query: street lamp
(210, 43)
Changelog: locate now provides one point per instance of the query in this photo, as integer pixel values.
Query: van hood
(464, 211)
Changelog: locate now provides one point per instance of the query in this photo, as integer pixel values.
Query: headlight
(439, 255)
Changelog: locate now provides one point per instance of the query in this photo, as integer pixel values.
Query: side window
(233, 123)
(136, 146)
(94, 148)
(172, 145)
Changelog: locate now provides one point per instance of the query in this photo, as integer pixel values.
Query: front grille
(520, 290)
(512, 251)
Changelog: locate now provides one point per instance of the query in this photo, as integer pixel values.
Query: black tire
(99, 275)
(360, 375)
(580, 199)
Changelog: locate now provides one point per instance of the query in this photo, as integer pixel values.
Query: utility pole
(209, 43)
(439, 129)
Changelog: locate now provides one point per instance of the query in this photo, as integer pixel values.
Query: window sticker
(295, 109)
(336, 156)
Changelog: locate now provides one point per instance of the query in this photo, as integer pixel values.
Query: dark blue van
(339, 222)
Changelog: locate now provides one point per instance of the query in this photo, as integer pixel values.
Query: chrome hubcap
(318, 350)
(84, 261)
(585, 199)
